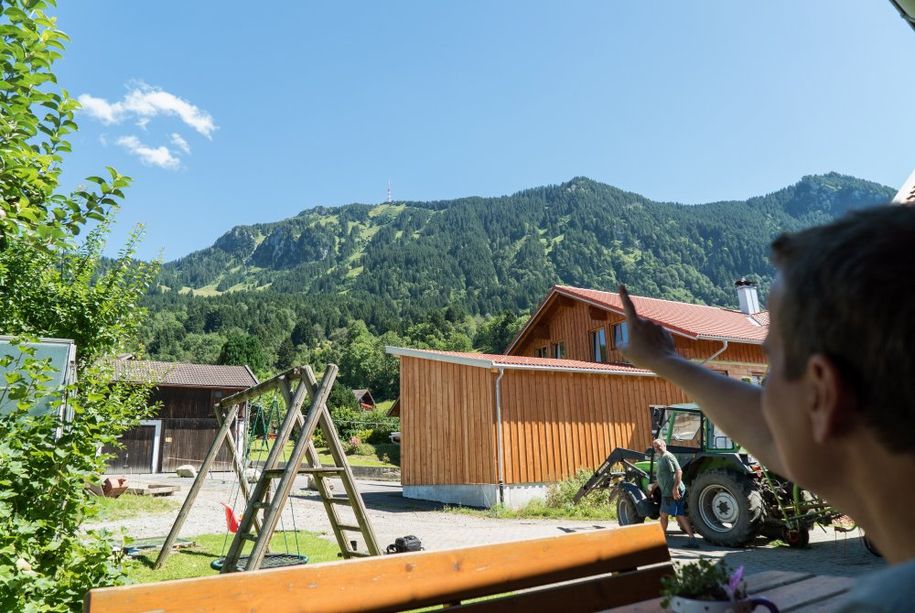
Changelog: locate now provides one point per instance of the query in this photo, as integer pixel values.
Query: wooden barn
(184, 427)
(365, 400)
(481, 429)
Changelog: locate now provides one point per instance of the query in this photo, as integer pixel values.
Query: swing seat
(271, 560)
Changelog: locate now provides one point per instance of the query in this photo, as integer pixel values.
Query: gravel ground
(392, 515)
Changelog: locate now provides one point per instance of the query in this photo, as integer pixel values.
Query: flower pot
(746, 605)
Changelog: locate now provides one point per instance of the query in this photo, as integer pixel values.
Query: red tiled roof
(490, 360)
(183, 374)
(692, 320)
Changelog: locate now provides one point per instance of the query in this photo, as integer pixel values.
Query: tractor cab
(692, 437)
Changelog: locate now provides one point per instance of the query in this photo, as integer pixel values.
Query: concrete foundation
(484, 495)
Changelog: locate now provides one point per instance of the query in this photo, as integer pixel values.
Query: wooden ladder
(272, 506)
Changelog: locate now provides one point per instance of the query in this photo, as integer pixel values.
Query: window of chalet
(543, 352)
(559, 350)
(756, 378)
(599, 345)
(620, 334)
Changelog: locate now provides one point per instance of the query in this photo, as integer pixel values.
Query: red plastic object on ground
(231, 520)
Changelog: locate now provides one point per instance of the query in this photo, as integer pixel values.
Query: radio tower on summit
(390, 198)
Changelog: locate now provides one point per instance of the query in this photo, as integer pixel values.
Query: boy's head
(842, 334)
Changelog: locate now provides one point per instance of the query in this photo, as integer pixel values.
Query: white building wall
(483, 495)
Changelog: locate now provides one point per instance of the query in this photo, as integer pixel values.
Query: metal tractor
(731, 498)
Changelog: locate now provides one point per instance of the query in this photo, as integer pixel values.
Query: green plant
(127, 505)
(557, 504)
(47, 562)
(52, 286)
(704, 580)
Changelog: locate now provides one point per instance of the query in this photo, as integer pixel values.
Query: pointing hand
(649, 344)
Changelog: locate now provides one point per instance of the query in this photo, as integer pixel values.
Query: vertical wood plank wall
(555, 424)
(571, 323)
(188, 430)
(447, 423)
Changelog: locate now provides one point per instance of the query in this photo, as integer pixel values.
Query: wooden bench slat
(581, 596)
(808, 591)
(771, 579)
(402, 581)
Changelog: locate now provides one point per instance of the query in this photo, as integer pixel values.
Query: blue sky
(229, 113)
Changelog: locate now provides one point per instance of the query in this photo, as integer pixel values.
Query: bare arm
(678, 477)
(735, 406)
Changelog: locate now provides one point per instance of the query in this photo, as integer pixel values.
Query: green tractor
(731, 498)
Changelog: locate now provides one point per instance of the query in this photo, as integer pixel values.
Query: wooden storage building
(477, 429)
(184, 426)
(480, 429)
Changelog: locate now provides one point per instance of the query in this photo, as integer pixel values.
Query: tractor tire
(725, 508)
(626, 512)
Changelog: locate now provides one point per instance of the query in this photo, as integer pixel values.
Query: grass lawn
(195, 561)
(128, 505)
(259, 452)
(384, 405)
(558, 504)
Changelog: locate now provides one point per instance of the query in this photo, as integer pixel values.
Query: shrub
(52, 286)
(388, 452)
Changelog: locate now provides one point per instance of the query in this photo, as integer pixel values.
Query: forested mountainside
(396, 265)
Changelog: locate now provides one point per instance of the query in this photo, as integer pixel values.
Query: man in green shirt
(673, 492)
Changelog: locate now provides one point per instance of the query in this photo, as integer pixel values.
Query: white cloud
(144, 102)
(98, 108)
(154, 156)
(178, 141)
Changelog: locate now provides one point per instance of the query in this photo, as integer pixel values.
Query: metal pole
(499, 462)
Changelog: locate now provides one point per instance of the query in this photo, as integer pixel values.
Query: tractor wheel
(626, 513)
(725, 508)
(798, 539)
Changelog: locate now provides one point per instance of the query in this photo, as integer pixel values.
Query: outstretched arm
(734, 406)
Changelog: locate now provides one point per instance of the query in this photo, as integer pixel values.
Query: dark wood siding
(188, 430)
(136, 454)
(186, 441)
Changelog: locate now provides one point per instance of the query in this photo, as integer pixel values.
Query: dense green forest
(339, 283)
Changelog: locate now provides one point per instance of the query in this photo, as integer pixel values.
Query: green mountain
(490, 254)
(392, 265)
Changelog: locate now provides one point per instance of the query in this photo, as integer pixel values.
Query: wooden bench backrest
(410, 580)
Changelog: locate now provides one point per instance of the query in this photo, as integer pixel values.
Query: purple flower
(734, 581)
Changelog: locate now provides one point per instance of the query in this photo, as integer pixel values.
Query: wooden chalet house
(485, 429)
(184, 426)
(589, 325)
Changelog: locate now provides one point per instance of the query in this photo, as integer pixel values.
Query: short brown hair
(850, 295)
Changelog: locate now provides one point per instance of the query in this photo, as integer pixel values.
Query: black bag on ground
(403, 544)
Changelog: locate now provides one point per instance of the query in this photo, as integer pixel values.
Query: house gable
(572, 317)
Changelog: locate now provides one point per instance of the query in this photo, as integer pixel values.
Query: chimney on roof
(746, 295)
